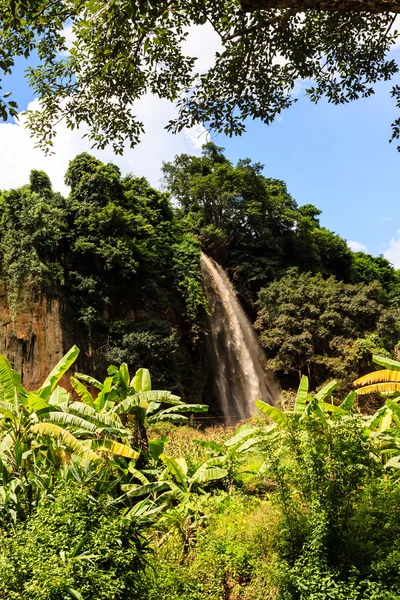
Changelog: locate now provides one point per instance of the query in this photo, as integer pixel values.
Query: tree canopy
(125, 261)
(125, 49)
(323, 327)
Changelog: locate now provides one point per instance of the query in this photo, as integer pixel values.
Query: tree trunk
(373, 6)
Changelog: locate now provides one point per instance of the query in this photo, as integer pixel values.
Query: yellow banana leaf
(112, 447)
(379, 388)
(378, 377)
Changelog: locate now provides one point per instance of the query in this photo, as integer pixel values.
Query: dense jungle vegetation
(124, 259)
(102, 496)
(108, 490)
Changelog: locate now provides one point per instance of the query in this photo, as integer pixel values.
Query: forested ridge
(109, 487)
(124, 259)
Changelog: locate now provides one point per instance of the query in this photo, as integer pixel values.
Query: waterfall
(239, 365)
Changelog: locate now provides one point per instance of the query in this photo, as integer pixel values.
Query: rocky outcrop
(33, 340)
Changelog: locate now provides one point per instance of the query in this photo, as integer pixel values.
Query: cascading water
(239, 364)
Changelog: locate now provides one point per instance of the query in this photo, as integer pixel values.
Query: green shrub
(75, 546)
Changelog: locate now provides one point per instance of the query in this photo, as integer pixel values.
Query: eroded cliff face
(46, 327)
(33, 340)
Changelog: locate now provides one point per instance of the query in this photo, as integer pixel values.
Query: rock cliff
(33, 340)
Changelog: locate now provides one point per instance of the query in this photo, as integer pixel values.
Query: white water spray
(240, 370)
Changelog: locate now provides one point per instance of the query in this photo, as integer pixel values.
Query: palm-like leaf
(211, 474)
(196, 408)
(8, 386)
(388, 363)
(142, 490)
(273, 413)
(59, 396)
(302, 393)
(66, 437)
(136, 400)
(104, 394)
(57, 373)
(348, 402)
(379, 388)
(382, 376)
(112, 447)
(82, 391)
(241, 434)
(177, 468)
(70, 420)
(89, 380)
(35, 402)
(101, 420)
(167, 418)
(326, 391)
(7, 410)
(141, 381)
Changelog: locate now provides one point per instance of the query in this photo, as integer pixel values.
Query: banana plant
(306, 405)
(385, 381)
(173, 480)
(27, 418)
(132, 401)
(232, 455)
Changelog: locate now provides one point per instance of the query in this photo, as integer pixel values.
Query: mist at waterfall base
(238, 364)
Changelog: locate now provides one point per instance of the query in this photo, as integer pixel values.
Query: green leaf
(388, 363)
(142, 380)
(241, 434)
(168, 418)
(302, 393)
(59, 396)
(138, 474)
(144, 398)
(373, 423)
(142, 490)
(187, 408)
(66, 437)
(102, 396)
(156, 447)
(210, 445)
(247, 444)
(57, 373)
(35, 402)
(348, 402)
(124, 372)
(103, 421)
(7, 410)
(82, 391)
(113, 447)
(62, 418)
(7, 384)
(393, 463)
(326, 391)
(89, 380)
(273, 413)
(177, 468)
(212, 474)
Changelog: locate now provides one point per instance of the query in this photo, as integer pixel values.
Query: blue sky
(336, 157)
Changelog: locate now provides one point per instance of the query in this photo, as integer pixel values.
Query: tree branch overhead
(372, 6)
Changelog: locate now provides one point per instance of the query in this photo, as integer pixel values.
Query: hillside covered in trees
(124, 259)
(109, 488)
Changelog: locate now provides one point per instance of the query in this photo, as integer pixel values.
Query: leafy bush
(75, 546)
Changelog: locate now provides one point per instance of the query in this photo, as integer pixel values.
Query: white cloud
(18, 155)
(356, 246)
(69, 38)
(202, 42)
(393, 252)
